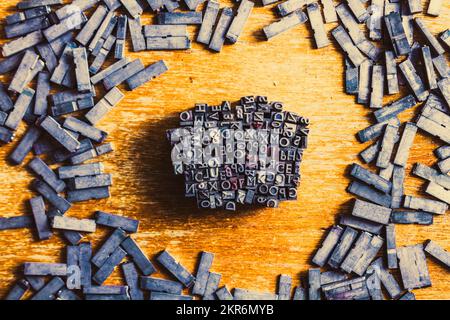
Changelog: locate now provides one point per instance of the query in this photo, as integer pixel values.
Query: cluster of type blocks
(248, 154)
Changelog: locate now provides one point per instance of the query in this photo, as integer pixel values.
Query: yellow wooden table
(254, 246)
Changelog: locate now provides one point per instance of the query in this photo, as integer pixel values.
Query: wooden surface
(254, 246)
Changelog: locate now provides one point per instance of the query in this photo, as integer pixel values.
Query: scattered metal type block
(433, 128)
(365, 72)
(432, 175)
(190, 17)
(412, 217)
(204, 265)
(361, 255)
(54, 129)
(442, 68)
(121, 34)
(413, 267)
(42, 92)
(391, 247)
(445, 38)
(25, 27)
(328, 245)
(105, 290)
(224, 294)
(373, 284)
(72, 237)
(358, 10)
(27, 14)
(60, 43)
(85, 264)
(20, 107)
(375, 20)
(64, 65)
(442, 152)
(431, 39)
(36, 282)
(429, 69)
(314, 284)
(284, 287)
(387, 279)
(170, 43)
(388, 142)
(370, 178)
(16, 222)
(44, 269)
(408, 23)
(109, 101)
(398, 177)
(88, 194)
(290, 6)
(46, 174)
(377, 84)
(444, 89)
(84, 129)
(237, 26)
(66, 294)
(212, 285)
(66, 25)
(220, 32)
(406, 141)
(108, 266)
(82, 70)
(73, 224)
(415, 6)
(342, 247)
(72, 256)
(137, 38)
(102, 55)
(115, 221)
(427, 205)
(176, 269)
(40, 219)
(9, 64)
(288, 22)
(361, 224)
(354, 289)
(51, 196)
(329, 11)
(351, 78)
(243, 294)
(397, 33)
(437, 252)
(6, 135)
(25, 145)
(6, 103)
(20, 44)
(413, 79)
(146, 75)
(317, 25)
(132, 7)
(91, 153)
(391, 73)
(108, 247)
(110, 70)
(103, 32)
(444, 166)
(371, 212)
(346, 44)
(167, 296)
(82, 170)
(161, 285)
(88, 31)
(18, 290)
(369, 154)
(328, 277)
(138, 256)
(29, 4)
(132, 279)
(123, 74)
(49, 291)
(438, 192)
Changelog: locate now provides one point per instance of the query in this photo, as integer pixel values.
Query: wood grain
(254, 246)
